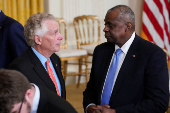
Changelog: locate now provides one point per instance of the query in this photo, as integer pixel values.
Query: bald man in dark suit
(141, 81)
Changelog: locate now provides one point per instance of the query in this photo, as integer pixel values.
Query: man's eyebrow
(108, 22)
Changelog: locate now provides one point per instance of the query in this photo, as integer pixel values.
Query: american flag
(155, 25)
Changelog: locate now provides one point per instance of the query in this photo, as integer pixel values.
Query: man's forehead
(111, 16)
(52, 26)
(50, 21)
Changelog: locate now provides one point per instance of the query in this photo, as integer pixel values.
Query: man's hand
(93, 109)
(106, 106)
(105, 109)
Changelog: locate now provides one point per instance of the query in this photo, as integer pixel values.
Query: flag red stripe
(167, 5)
(145, 30)
(154, 21)
(159, 21)
(159, 5)
(147, 33)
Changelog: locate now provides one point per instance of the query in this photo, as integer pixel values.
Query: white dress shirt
(122, 56)
(36, 99)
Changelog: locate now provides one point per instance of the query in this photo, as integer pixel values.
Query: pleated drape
(21, 10)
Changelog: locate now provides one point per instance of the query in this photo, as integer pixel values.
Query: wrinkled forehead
(51, 24)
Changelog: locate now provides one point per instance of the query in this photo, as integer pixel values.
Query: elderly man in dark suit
(129, 74)
(39, 63)
(12, 40)
(17, 95)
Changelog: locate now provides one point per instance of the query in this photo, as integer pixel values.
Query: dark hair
(13, 86)
(124, 12)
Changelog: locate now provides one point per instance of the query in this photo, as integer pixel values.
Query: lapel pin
(56, 64)
(133, 55)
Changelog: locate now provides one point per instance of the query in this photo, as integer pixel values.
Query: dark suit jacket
(29, 65)
(12, 40)
(142, 85)
(50, 102)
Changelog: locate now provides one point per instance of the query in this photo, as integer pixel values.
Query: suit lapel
(40, 70)
(126, 66)
(108, 53)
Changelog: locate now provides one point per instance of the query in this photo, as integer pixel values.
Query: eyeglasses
(21, 104)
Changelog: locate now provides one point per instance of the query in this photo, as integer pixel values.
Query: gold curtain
(21, 10)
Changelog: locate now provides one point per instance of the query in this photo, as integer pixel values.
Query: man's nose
(105, 28)
(60, 37)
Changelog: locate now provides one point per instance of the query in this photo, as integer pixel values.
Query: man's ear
(28, 95)
(128, 26)
(37, 39)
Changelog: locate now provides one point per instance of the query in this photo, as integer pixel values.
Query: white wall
(68, 9)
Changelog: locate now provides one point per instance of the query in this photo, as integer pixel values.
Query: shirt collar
(36, 99)
(126, 46)
(42, 58)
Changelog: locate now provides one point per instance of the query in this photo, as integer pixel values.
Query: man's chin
(57, 50)
(109, 40)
